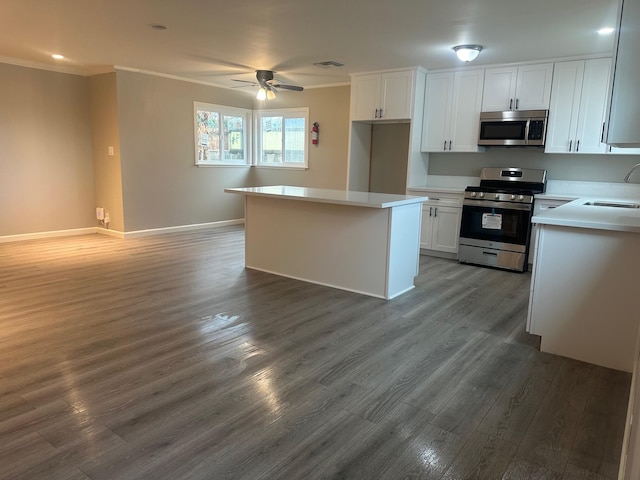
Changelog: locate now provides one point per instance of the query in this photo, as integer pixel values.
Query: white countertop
(339, 197)
(577, 214)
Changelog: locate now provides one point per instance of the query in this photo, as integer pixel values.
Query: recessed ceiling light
(158, 26)
(606, 31)
(57, 56)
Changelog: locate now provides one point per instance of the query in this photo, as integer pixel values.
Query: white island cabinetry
(357, 241)
(583, 299)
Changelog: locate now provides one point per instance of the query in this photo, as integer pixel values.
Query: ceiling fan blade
(288, 87)
(244, 81)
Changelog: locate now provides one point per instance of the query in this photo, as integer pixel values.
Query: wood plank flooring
(163, 358)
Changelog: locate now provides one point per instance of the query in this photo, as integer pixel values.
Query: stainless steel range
(496, 217)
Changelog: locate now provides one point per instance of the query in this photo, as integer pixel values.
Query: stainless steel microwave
(514, 128)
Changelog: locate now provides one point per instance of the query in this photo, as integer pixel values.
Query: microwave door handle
(526, 132)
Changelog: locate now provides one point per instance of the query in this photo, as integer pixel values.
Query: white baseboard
(181, 228)
(117, 233)
(52, 234)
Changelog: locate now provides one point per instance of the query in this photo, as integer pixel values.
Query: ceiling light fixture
(467, 53)
(266, 93)
(57, 56)
(606, 31)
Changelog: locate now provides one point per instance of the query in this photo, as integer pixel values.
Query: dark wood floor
(163, 358)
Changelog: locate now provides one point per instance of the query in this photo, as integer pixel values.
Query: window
(222, 134)
(281, 137)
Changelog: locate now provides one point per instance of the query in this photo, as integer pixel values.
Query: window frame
(297, 112)
(223, 110)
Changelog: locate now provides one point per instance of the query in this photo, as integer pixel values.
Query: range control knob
(513, 197)
(520, 197)
(481, 194)
(473, 194)
(497, 195)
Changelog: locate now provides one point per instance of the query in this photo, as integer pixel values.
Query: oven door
(499, 225)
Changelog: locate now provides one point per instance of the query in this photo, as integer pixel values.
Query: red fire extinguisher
(315, 130)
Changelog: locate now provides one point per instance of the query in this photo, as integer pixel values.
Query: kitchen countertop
(577, 214)
(339, 197)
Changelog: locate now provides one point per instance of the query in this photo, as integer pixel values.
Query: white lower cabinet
(440, 228)
(441, 216)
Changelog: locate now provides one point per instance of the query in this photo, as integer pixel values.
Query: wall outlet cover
(100, 213)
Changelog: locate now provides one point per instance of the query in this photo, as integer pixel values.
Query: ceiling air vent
(329, 64)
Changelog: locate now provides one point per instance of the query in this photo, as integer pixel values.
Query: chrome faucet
(628, 177)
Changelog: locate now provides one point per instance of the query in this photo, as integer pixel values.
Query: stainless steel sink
(614, 204)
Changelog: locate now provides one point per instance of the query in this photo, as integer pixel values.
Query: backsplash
(594, 168)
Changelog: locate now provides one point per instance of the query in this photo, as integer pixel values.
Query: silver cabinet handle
(602, 136)
(511, 104)
(376, 113)
(517, 103)
(436, 212)
(380, 113)
(570, 144)
(444, 147)
(449, 145)
(430, 213)
(577, 146)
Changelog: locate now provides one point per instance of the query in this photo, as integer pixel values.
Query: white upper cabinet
(527, 87)
(451, 111)
(578, 103)
(382, 96)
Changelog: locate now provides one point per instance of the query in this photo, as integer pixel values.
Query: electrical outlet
(106, 217)
(110, 151)
(100, 213)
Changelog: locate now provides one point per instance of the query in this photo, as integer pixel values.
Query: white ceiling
(216, 40)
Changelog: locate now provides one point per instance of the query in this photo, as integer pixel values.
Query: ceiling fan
(268, 87)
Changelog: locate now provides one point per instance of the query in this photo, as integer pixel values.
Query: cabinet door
(365, 96)
(437, 107)
(397, 99)
(533, 87)
(593, 103)
(565, 105)
(426, 227)
(499, 89)
(465, 110)
(446, 229)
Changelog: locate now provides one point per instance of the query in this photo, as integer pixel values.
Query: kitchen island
(362, 242)
(584, 285)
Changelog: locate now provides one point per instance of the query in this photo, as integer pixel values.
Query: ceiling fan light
(271, 94)
(467, 53)
(262, 94)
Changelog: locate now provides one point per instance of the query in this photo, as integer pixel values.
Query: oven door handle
(489, 204)
(493, 254)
